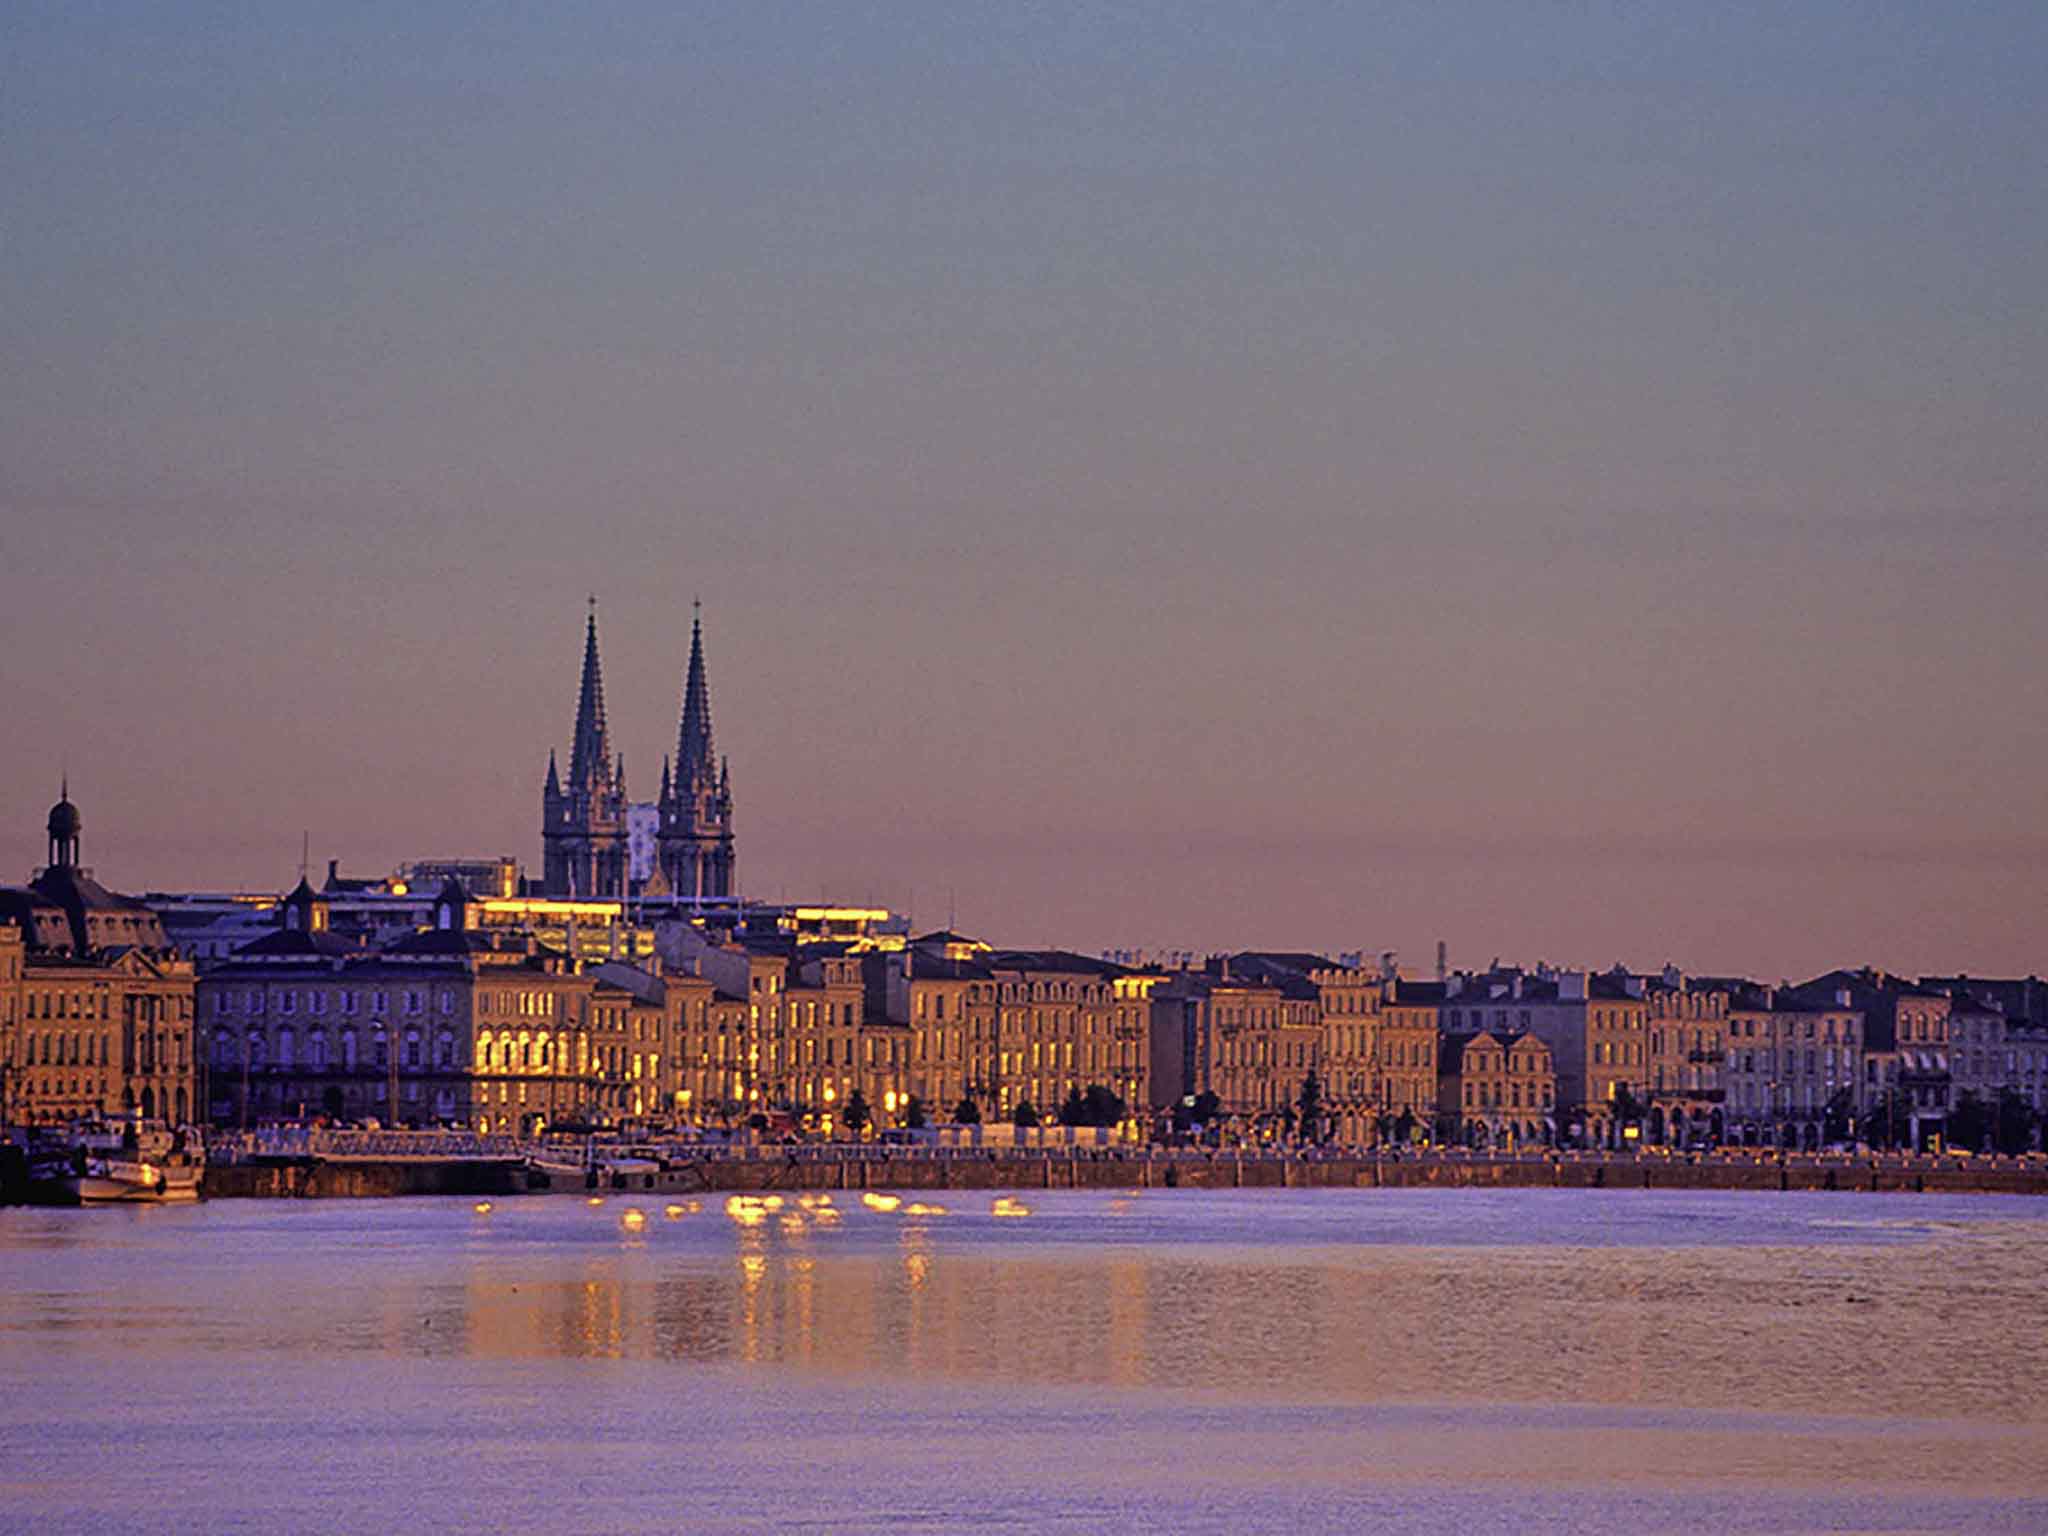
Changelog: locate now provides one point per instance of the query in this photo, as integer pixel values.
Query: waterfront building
(1246, 1032)
(1596, 1025)
(2027, 1072)
(629, 1027)
(1496, 1091)
(98, 1016)
(1412, 1019)
(1064, 1022)
(448, 1025)
(781, 1029)
(1348, 1003)
(1795, 1066)
(1688, 1021)
(941, 990)
(1905, 1043)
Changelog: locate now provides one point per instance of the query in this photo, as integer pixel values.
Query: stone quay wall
(308, 1177)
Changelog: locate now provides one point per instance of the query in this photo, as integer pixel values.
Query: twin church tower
(587, 823)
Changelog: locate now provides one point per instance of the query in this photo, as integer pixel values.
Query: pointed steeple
(693, 740)
(664, 778)
(619, 776)
(590, 755)
(554, 784)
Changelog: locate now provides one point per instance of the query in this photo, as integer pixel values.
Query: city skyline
(1563, 485)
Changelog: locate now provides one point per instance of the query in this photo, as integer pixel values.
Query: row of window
(316, 1001)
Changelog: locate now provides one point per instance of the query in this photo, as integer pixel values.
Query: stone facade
(95, 1007)
(1411, 1022)
(584, 851)
(587, 818)
(1496, 1092)
(1795, 1060)
(450, 1025)
(694, 842)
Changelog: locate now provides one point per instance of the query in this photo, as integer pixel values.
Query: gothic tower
(694, 845)
(583, 822)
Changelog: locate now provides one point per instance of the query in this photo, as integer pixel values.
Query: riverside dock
(401, 1163)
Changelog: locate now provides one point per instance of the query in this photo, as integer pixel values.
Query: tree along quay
(858, 1169)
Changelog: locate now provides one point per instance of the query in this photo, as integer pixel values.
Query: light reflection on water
(1229, 1352)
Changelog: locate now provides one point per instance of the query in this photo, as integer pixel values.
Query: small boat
(136, 1163)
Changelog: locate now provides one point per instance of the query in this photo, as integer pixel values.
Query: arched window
(444, 1050)
(412, 1048)
(285, 1046)
(348, 1049)
(255, 1049)
(483, 1051)
(316, 1050)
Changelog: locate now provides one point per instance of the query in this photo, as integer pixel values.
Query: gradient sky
(1562, 479)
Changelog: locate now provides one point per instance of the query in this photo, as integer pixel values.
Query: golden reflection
(876, 1202)
(771, 1202)
(595, 1200)
(1782, 1328)
(919, 1208)
(633, 1220)
(753, 1269)
(1007, 1205)
(675, 1212)
(482, 1207)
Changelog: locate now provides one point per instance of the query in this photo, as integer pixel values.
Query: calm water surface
(1300, 1361)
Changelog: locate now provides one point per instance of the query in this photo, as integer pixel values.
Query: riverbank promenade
(371, 1163)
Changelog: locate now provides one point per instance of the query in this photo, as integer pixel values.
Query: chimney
(333, 872)
(1443, 959)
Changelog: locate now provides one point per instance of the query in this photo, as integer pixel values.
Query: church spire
(693, 740)
(554, 784)
(590, 757)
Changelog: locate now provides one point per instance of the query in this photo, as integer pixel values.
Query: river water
(1456, 1360)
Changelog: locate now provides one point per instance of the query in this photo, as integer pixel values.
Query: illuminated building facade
(1495, 1091)
(1413, 1014)
(454, 1024)
(95, 1007)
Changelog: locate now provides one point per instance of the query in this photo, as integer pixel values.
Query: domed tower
(64, 825)
(694, 845)
(583, 821)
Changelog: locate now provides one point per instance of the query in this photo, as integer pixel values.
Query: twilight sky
(1562, 479)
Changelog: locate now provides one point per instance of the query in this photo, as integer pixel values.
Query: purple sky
(1566, 480)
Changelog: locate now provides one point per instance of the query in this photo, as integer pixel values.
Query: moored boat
(136, 1163)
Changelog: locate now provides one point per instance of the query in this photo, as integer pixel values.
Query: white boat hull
(112, 1183)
